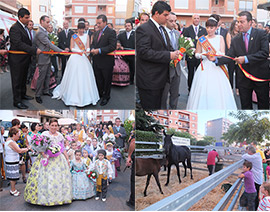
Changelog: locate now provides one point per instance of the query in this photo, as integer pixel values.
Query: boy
(264, 204)
(104, 171)
(248, 197)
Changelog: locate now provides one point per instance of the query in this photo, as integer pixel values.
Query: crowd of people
(87, 72)
(58, 177)
(210, 77)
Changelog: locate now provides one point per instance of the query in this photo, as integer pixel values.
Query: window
(176, 113)
(91, 9)
(106, 118)
(202, 4)
(193, 117)
(170, 112)
(106, 111)
(246, 5)
(110, 21)
(170, 121)
(110, 10)
(230, 5)
(78, 9)
(119, 21)
(193, 125)
(181, 4)
(42, 8)
(75, 21)
(176, 122)
(180, 123)
(193, 132)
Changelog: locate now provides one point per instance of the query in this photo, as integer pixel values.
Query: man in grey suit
(172, 87)
(119, 133)
(44, 60)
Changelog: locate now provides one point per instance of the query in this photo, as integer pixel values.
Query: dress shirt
(99, 50)
(248, 36)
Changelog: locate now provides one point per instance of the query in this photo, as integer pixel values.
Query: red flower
(94, 177)
(137, 21)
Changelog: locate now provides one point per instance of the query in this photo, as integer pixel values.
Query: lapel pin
(251, 38)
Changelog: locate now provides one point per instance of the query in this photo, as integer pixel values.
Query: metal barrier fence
(187, 197)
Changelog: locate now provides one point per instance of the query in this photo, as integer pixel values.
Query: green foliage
(128, 127)
(202, 143)
(251, 127)
(145, 122)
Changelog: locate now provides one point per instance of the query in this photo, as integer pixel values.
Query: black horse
(175, 155)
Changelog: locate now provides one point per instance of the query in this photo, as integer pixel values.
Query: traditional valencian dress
(51, 184)
(82, 186)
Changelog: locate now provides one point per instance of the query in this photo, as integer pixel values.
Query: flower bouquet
(53, 38)
(40, 143)
(186, 46)
(54, 150)
(92, 175)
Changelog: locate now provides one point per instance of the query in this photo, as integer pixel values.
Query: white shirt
(171, 34)
(257, 167)
(11, 155)
(156, 24)
(198, 27)
(128, 34)
(2, 141)
(25, 28)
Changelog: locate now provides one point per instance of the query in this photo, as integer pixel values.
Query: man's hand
(175, 54)
(240, 60)
(128, 162)
(38, 51)
(66, 49)
(211, 58)
(95, 51)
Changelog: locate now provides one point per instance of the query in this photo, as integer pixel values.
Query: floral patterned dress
(82, 186)
(49, 185)
(3, 58)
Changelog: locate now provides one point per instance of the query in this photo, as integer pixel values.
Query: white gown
(78, 86)
(211, 89)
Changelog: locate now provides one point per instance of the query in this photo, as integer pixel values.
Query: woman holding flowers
(211, 87)
(49, 181)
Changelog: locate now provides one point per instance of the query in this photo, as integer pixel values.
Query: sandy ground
(153, 195)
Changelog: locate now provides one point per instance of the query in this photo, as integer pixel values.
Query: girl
(112, 156)
(264, 204)
(86, 160)
(82, 187)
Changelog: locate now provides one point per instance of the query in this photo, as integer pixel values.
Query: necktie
(172, 40)
(196, 30)
(28, 33)
(66, 33)
(99, 35)
(246, 41)
(163, 35)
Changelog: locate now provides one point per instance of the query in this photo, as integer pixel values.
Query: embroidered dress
(82, 186)
(120, 75)
(86, 161)
(49, 185)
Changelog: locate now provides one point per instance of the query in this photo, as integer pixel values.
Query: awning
(265, 6)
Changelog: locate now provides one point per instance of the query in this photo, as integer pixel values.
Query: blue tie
(173, 40)
(163, 35)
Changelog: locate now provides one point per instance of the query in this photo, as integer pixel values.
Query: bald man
(64, 43)
(194, 31)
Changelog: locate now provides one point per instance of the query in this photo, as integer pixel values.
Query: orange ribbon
(182, 50)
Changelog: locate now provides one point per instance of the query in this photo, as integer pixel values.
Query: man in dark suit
(64, 43)
(20, 40)
(127, 40)
(119, 133)
(194, 31)
(104, 42)
(87, 30)
(154, 54)
(32, 66)
(172, 87)
(251, 49)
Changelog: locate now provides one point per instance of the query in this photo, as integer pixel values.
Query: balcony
(104, 2)
(184, 127)
(101, 12)
(217, 10)
(182, 118)
(68, 3)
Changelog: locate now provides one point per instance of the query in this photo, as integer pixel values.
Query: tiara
(81, 22)
(212, 18)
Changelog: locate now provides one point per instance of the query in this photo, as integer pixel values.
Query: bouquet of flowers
(92, 175)
(40, 143)
(186, 46)
(53, 38)
(54, 150)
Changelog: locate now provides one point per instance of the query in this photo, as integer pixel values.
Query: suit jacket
(258, 52)
(177, 69)
(44, 44)
(121, 140)
(20, 41)
(107, 44)
(64, 42)
(127, 43)
(223, 33)
(152, 57)
(89, 36)
(189, 32)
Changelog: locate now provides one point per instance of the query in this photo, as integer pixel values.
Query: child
(86, 160)
(94, 149)
(264, 204)
(268, 170)
(72, 150)
(67, 146)
(112, 156)
(248, 197)
(82, 186)
(104, 171)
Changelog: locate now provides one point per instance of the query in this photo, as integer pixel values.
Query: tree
(251, 127)
(145, 122)
(182, 135)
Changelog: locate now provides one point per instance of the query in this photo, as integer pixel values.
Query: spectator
(257, 169)
(2, 142)
(12, 151)
(265, 200)
(3, 58)
(248, 197)
(120, 134)
(254, 22)
(144, 17)
(211, 161)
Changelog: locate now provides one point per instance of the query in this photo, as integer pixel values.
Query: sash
(211, 50)
(78, 41)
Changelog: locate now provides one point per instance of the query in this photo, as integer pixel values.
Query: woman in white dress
(211, 88)
(78, 86)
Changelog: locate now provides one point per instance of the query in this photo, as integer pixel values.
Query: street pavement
(118, 193)
(121, 98)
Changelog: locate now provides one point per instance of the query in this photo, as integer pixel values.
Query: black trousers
(262, 91)
(132, 184)
(1, 159)
(103, 189)
(211, 169)
(131, 63)
(54, 63)
(32, 68)
(104, 81)
(150, 99)
(257, 186)
(192, 66)
(64, 60)
(18, 78)
(231, 69)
